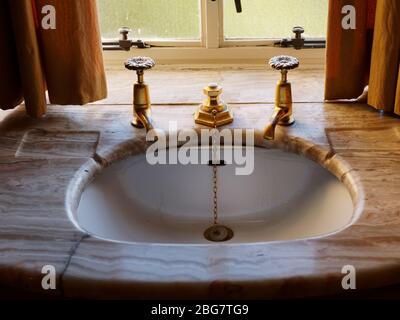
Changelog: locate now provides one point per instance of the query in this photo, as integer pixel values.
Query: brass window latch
(299, 42)
(124, 43)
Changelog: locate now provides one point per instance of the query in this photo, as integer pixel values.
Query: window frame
(222, 41)
(212, 28)
(213, 47)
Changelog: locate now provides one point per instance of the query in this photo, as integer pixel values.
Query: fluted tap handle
(284, 62)
(139, 63)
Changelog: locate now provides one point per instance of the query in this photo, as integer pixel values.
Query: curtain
(67, 60)
(368, 55)
(384, 82)
(348, 51)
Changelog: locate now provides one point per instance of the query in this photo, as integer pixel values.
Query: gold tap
(283, 112)
(141, 94)
(213, 112)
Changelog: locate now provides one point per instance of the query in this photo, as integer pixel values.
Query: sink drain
(218, 233)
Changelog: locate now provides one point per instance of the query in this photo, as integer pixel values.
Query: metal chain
(215, 174)
(215, 190)
(216, 232)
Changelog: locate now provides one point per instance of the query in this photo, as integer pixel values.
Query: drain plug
(218, 233)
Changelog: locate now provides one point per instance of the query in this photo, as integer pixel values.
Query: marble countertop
(40, 157)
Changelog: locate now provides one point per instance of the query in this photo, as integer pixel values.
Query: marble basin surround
(286, 197)
(46, 164)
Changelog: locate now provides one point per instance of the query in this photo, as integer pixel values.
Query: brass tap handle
(284, 63)
(139, 63)
(141, 94)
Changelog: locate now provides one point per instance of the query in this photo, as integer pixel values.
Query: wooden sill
(309, 58)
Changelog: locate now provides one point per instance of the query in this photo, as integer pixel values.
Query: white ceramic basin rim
(286, 197)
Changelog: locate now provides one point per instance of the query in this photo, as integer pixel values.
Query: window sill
(309, 58)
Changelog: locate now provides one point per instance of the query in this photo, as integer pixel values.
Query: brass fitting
(283, 112)
(212, 107)
(141, 94)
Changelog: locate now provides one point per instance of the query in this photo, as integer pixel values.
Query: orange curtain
(348, 51)
(66, 60)
(368, 55)
(385, 62)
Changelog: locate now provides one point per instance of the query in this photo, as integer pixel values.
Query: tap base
(207, 118)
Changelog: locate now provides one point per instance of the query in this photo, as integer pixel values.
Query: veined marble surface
(39, 159)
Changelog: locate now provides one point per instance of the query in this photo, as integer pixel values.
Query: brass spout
(213, 111)
(142, 119)
(277, 117)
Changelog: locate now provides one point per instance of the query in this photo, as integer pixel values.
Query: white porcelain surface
(286, 197)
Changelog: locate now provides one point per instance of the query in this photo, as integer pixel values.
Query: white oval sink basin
(286, 197)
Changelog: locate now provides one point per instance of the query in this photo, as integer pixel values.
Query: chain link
(215, 190)
(215, 173)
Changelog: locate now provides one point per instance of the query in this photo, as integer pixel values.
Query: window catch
(299, 42)
(124, 43)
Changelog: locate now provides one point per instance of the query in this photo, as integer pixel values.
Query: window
(211, 23)
(151, 19)
(274, 19)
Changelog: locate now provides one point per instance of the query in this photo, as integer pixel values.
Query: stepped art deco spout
(141, 95)
(283, 113)
(213, 112)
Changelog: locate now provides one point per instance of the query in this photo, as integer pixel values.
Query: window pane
(151, 19)
(271, 19)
